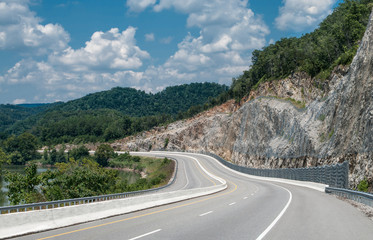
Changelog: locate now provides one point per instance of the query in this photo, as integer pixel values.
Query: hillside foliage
(334, 42)
(109, 115)
(136, 103)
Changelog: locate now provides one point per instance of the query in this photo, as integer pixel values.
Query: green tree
(4, 159)
(23, 188)
(45, 156)
(79, 179)
(103, 153)
(79, 152)
(22, 148)
(61, 157)
(53, 156)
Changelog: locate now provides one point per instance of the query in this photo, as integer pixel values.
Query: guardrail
(362, 197)
(333, 175)
(83, 200)
(336, 176)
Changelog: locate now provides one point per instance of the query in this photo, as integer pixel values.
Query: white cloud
(21, 29)
(50, 82)
(166, 40)
(299, 15)
(106, 50)
(139, 5)
(229, 31)
(149, 37)
(19, 101)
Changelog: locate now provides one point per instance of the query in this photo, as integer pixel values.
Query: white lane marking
(315, 186)
(221, 180)
(245, 198)
(232, 203)
(203, 214)
(261, 236)
(186, 176)
(252, 194)
(146, 234)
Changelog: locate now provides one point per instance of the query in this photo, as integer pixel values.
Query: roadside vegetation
(103, 173)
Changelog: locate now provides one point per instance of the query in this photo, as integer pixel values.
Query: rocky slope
(287, 123)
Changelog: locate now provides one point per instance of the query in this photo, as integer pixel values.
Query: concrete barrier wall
(16, 224)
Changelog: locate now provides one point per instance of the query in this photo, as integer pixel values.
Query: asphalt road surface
(247, 209)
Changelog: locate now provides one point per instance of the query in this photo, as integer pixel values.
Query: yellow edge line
(139, 216)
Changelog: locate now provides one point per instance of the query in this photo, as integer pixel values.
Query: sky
(59, 50)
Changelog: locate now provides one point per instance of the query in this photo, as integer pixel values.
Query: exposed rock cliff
(270, 131)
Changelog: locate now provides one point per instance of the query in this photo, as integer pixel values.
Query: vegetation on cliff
(334, 42)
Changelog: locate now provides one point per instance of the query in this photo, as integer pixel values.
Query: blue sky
(64, 49)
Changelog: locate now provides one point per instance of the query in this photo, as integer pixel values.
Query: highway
(247, 209)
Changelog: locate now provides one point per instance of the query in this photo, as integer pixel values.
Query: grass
(298, 104)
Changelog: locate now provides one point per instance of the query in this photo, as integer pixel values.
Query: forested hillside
(136, 103)
(334, 42)
(10, 114)
(108, 115)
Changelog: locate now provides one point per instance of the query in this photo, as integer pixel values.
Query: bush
(363, 185)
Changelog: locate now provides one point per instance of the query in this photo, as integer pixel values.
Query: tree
(53, 156)
(79, 179)
(23, 188)
(45, 156)
(79, 152)
(3, 159)
(103, 153)
(61, 155)
(22, 148)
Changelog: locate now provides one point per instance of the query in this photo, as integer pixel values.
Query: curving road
(247, 209)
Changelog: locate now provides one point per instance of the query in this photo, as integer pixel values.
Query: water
(12, 168)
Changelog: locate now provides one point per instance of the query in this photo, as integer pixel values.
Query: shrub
(363, 185)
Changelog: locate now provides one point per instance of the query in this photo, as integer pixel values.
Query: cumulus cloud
(107, 60)
(299, 15)
(106, 50)
(21, 29)
(149, 37)
(50, 82)
(229, 31)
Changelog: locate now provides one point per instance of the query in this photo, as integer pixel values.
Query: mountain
(288, 122)
(108, 115)
(136, 103)
(10, 114)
